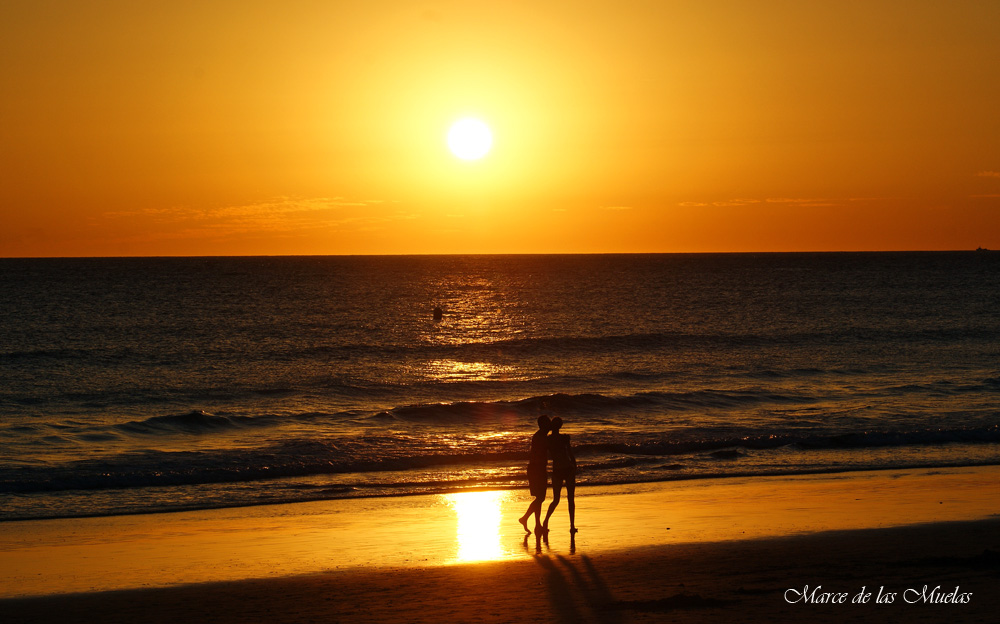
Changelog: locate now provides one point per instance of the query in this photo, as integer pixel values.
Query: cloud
(989, 174)
(276, 216)
(790, 200)
(804, 202)
(729, 202)
(271, 208)
(616, 208)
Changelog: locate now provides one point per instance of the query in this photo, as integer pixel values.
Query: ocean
(133, 385)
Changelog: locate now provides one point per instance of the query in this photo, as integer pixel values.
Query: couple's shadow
(543, 539)
(576, 590)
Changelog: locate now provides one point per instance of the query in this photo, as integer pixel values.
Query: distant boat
(981, 249)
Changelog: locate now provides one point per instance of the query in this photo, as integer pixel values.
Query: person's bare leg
(524, 519)
(538, 511)
(534, 508)
(556, 490)
(571, 504)
(539, 525)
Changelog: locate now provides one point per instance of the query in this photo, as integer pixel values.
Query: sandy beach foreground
(913, 545)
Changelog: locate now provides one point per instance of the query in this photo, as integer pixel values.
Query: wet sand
(709, 550)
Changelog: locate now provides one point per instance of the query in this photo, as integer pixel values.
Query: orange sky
(318, 127)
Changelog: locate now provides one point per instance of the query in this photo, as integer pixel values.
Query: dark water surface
(143, 384)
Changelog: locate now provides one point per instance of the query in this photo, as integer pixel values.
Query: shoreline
(485, 488)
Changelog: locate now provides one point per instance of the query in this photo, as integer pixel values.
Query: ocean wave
(792, 373)
(174, 468)
(646, 342)
(849, 440)
(191, 422)
(44, 354)
(946, 387)
(589, 403)
(380, 453)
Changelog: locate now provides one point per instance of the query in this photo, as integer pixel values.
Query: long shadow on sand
(576, 590)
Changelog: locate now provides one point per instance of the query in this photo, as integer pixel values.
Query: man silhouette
(563, 471)
(538, 478)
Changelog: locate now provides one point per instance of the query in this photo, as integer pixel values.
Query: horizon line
(524, 254)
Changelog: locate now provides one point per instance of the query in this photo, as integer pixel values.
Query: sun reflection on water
(453, 370)
(478, 531)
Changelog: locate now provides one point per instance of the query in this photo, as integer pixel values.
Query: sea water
(132, 385)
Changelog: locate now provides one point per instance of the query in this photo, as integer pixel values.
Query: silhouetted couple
(546, 445)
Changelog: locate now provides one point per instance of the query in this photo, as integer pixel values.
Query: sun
(470, 139)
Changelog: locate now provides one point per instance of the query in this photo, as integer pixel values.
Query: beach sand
(718, 550)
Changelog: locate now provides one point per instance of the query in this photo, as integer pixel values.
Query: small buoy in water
(438, 314)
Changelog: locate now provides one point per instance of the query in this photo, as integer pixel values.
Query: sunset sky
(247, 127)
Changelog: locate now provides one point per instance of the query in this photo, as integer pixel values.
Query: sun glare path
(479, 517)
(470, 139)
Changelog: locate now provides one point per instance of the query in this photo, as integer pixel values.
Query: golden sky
(244, 127)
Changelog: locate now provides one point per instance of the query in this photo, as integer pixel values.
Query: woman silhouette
(563, 471)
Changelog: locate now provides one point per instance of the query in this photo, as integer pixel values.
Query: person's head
(544, 423)
(556, 423)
